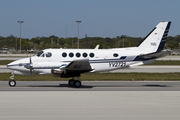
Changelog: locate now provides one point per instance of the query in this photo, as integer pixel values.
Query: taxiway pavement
(92, 86)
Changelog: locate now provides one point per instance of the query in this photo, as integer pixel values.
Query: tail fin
(156, 39)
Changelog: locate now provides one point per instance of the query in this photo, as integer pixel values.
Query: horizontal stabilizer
(156, 54)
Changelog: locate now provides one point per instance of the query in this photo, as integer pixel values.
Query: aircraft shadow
(155, 85)
(92, 86)
(60, 85)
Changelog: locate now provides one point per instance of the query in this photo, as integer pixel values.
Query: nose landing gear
(12, 82)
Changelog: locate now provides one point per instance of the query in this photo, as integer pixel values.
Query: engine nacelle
(56, 72)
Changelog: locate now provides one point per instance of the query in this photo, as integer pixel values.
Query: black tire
(12, 83)
(77, 84)
(71, 82)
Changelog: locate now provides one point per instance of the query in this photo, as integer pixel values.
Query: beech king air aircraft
(73, 62)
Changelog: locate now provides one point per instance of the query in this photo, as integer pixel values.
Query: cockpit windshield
(40, 53)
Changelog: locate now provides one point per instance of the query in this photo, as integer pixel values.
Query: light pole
(20, 33)
(16, 44)
(78, 32)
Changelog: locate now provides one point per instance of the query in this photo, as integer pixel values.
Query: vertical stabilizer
(156, 39)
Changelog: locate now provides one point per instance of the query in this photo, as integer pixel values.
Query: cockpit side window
(48, 54)
(40, 53)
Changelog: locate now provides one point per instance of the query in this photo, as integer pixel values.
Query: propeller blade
(31, 67)
(30, 60)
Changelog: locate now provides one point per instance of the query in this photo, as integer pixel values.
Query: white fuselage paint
(103, 59)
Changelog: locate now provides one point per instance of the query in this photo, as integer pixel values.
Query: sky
(99, 18)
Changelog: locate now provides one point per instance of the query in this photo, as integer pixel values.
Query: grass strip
(5, 62)
(100, 77)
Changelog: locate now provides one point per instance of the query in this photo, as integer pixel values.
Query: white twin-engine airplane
(73, 62)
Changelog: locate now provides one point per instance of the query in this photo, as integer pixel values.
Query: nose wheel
(75, 83)
(12, 83)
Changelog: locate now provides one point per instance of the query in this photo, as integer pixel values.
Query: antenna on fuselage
(97, 47)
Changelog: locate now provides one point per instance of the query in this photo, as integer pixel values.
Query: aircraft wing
(156, 54)
(76, 67)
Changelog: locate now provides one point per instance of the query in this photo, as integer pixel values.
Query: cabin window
(84, 54)
(91, 55)
(64, 54)
(78, 54)
(48, 54)
(71, 54)
(115, 55)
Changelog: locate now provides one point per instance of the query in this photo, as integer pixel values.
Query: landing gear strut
(75, 83)
(12, 82)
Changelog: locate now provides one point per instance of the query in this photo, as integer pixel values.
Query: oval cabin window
(78, 54)
(71, 54)
(115, 55)
(64, 54)
(91, 55)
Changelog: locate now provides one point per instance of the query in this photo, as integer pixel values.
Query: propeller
(29, 66)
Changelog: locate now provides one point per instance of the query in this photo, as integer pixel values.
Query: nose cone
(18, 65)
(12, 65)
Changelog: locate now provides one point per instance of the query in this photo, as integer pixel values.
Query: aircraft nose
(17, 65)
(21, 65)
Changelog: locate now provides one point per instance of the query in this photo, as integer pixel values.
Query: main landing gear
(12, 82)
(75, 83)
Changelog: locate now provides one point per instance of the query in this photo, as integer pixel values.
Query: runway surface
(100, 100)
(92, 86)
(90, 105)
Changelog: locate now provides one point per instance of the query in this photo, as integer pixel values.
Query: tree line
(40, 43)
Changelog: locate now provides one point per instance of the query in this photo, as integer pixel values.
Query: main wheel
(12, 83)
(71, 82)
(77, 84)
